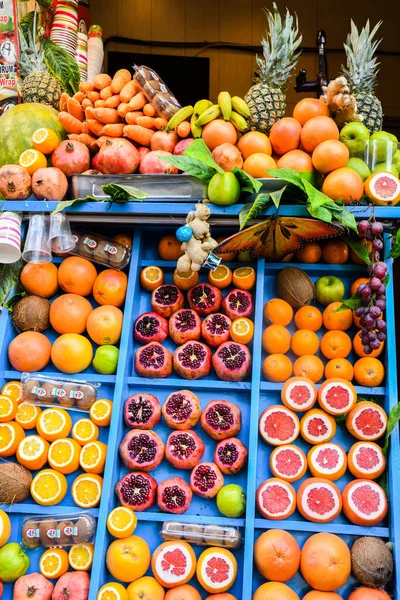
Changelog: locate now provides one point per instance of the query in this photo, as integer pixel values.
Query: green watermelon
(17, 126)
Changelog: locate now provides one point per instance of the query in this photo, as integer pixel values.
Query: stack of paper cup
(64, 31)
(10, 237)
(82, 55)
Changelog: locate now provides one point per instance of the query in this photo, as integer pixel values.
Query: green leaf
(250, 211)
(316, 198)
(11, 302)
(247, 182)
(276, 197)
(289, 176)
(394, 418)
(26, 23)
(61, 65)
(193, 166)
(395, 249)
(383, 482)
(200, 151)
(45, 4)
(67, 203)
(312, 177)
(9, 277)
(346, 218)
(123, 193)
(320, 212)
(354, 302)
(386, 279)
(359, 248)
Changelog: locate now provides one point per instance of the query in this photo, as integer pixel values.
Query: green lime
(361, 167)
(231, 500)
(386, 167)
(106, 360)
(224, 189)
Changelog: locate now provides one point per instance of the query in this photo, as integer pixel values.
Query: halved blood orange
(366, 460)
(367, 421)
(173, 563)
(337, 396)
(288, 462)
(319, 500)
(276, 499)
(383, 188)
(279, 425)
(364, 502)
(216, 569)
(316, 426)
(299, 393)
(327, 460)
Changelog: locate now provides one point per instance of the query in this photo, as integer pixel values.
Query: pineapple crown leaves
(279, 44)
(362, 65)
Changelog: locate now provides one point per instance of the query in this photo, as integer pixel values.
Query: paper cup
(10, 237)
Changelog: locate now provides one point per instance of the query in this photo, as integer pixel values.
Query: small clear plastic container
(202, 535)
(379, 154)
(156, 91)
(100, 249)
(55, 392)
(49, 531)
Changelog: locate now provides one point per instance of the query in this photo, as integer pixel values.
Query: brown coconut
(371, 562)
(15, 483)
(295, 286)
(31, 314)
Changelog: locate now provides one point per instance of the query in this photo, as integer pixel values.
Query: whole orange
(69, 312)
(356, 283)
(318, 130)
(334, 319)
(277, 555)
(72, 353)
(304, 341)
(169, 248)
(358, 347)
(310, 253)
(29, 351)
(330, 155)
(308, 317)
(77, 275)
(285, 135)
(276, 339)
(336, 344)
(275, 591)
(183, 592)
(298, 160)
(335, 252)
(110, 287)
(309, 366)
(128, 559)
(253, 142)
(364, 593)
(39, 279)
(145, 588)
(223, 596)
(369, 372)
(104, 324)
(278, 312)
(339, 367)
(315, 595)
(277, 368)
(123, 238)
(218, 132)
(308, 108)
(343, 184)
(258, 164)
(325, 562)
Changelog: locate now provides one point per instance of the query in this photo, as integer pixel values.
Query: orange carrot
(183, 129)
(90, 113)
(86, 86)
(88, 140)
(93, 96)
(84, 127)
(131, 116)
(102, 81)
(116, 130)
(100, 104)
(146, 122)
(73, 136)
(113, 102)
(70, 123)
(123, 109)
(79, 96)
(149, 110)
(63, 102)
(86, 103)
(107, 116)
(138, 101)
(161, 123)
(106, 93)
(138, 134)
(128, 91)
(121, 78)
(94, 126)
(75, 109)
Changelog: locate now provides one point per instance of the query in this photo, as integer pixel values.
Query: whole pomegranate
(142, 411)
(49, 184)
(227, 156)
(206, 480)
(118, 157)
(162, 140)
(152, 163)
(182, 146)
(142, 450)
(174, 496)
(72, 585)
(71, 157)
(15, 182)
(33, 586)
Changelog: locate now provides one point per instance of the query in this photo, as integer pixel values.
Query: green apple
(361, 167)
(231, 500)
(382, 146)
(224, 189)
(329, 289)
(14, 562)
(106, 360)
(355, 136)
(386, 167)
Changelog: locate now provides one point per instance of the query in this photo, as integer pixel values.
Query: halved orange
(86, 490)
(93, 457)
(13, 389)
(32, 160)
(242, 330)
(64, 455)
(49, 487)
(53, 563)
(100, 412)
(27, 415)
(8, 408)
(32, 452)
(112, 591)
(151, 278)
(121, 522)
(185, 282)
(11, 434)
(244, 278)
(45, 140)
(53, 424)
(80, 557)
(221, 277)
(85, 431)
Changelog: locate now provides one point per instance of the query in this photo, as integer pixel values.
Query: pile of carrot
(109, 107)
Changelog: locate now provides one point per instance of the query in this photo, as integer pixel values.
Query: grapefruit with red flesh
(366, 460)
(316, 426)
(327, 460)
(276, 499)
(288, 462)
(367, 421)
(364, 502)
(279, 425)
(319, 500)
(299, 394)
(383, 188)
(337, 396)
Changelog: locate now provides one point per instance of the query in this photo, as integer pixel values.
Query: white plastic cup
(36, 249)
(10, 237)
(61, 240)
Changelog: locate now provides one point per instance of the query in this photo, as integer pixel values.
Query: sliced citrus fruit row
(53, 563)
(316, 426)
(299, 394)
(85, 431)
(64, 455)
(173, 563)
(49, 487)
(327, 460)
(53, 424)
(216, 570)
(276, 499)
(364, 502)
(86, 490)
(80, 557)
(151, 278)
(100, 412)
(112, 591)
(279, 425)
(288, 462)
(337, 396)
(121, 522)
(32, 452)
(319, 500)
(366, 460)
(11, 434)
(367, 421)
(14, 390)
(93, 457)
(27, 415)
(8, 408)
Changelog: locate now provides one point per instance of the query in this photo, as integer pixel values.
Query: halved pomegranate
(221, 419)
(204, 298)
(142, 450)
(184, 449)
(237, 303)
(215, 329)
(167, 299)
(232, 361)
(184, 325)
(142, 411)
(192, 360)
(174, 496)
(137, 490)
(153, 360)
(182, 410)
(230, 455)
(150, 327)
(206, 480)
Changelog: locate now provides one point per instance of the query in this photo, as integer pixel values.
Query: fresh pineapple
(361, 73)
(267, 99)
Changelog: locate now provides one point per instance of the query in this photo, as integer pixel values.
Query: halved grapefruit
(173, 563)
(327, 460)
(279, 425)
(299, 393)
(216, 569)
(364, 502)
(288, 462)
(337, 396)
(366, 460)
(367, 421)
(276, 499)
(316, 426)
(319, 500)
(383, 188)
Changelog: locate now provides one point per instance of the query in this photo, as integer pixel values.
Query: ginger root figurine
(196, 239)
(341, 103)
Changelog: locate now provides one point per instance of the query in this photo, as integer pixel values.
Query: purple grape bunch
(373, 293)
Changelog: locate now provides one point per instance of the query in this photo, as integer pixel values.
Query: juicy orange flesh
(152, 274)
(31, 448)
(13, 389)
(40, 135)
(28, 157)
(241, 327)
(109, 595)
(121, 519)
(220, 272)
(47, 486)
(90, 455)
(62, 452)
(87, 491)
(53, 421)
(6, 406)
(80, 556)
(27, 413)
(100, 409)
(6, 436)
(51, 563)
(243, 271)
